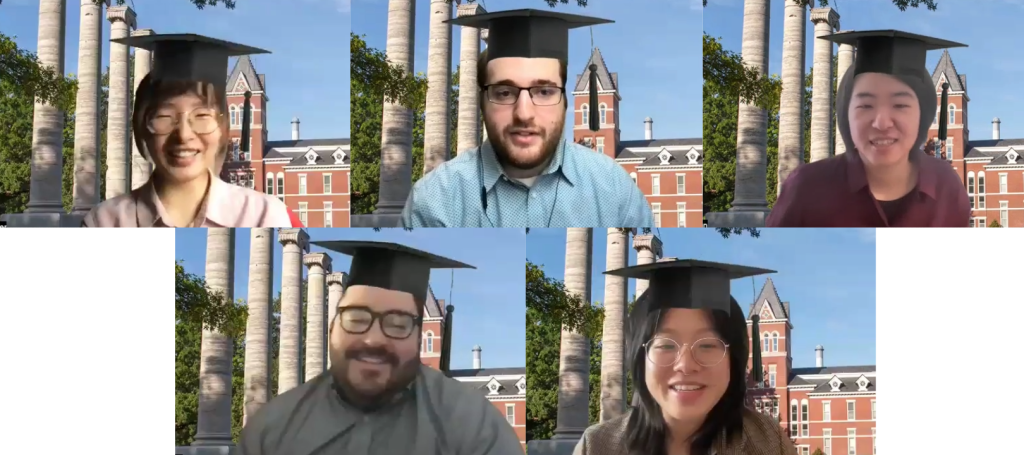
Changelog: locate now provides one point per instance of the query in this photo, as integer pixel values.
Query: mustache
(514, 127)
(360, 351)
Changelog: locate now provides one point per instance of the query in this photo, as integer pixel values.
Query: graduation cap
(390, 265)
(531, 33)
(190, 57)
(890, 51)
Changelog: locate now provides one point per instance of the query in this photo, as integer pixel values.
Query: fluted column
(316, 327)
(791, 108)
(613, 378)
(844, 61)
(397, 121)
(335, 290)
(213, 426)
(122, 20)
(437, 125)
(648, 250)
(86, 188)
(469, 96)
(45, 182)
(141, 167)
(258, 325)
(825, 21)
(752, 121)
(294, 242)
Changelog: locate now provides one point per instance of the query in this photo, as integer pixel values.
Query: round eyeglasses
(395, 324)
(202, 120)
(707, 352)
(545, 95)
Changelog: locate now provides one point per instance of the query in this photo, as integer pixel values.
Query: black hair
(646, 431)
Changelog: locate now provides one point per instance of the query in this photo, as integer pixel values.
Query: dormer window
(664, 156)
(339, 156)
(493, 386)
(835, 383)
(692, 156)
(1012, 156)
(862, 384)
(521, 385)
(311, 157)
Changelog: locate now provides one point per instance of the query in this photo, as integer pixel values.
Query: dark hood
(920, 83)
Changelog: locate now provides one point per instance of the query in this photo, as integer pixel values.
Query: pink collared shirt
(226, 205)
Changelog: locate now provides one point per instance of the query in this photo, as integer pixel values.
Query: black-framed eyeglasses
(395, 324)
(203, 120)
(545, 95)
(707, 352)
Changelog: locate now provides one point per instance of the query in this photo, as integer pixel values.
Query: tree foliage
(550, 298)
(367, 111)
(194, 303)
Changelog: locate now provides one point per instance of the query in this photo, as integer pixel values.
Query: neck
(891, 182)
(182, 201)
(680, 436)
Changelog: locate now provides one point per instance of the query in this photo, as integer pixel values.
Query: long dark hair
(646, 430)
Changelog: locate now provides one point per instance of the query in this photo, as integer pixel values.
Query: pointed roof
(768, 293)
(957, 81)
(244, 66)
(608, 81)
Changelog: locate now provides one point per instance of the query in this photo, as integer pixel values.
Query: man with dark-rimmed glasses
(378, 398)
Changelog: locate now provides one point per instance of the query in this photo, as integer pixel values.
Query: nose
(183, 129)
(685, 363)
(375, 336)
(524, 108)
(883, 119)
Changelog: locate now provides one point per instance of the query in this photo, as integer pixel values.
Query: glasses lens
(662, 352)
(161, 123)
(356, 320)
(398, 325)
(708, 351)
(546, 96)
(203, 120)
(502, 94)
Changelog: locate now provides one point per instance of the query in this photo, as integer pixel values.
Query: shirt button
(534, 195)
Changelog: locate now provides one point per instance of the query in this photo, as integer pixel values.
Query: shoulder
(610, 433)
(116, 212)
(254, 209)
(945, 176)
(462, 168)
(763, 432)
(276, 412)
(819, 171)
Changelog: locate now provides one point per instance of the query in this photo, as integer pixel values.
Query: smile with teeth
(687, 388)
(184, 153)
(883, 142)
(371, 359)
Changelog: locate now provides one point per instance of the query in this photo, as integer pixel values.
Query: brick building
(831, 408)
(992, 170)
(311, 176)
(668, 171)
(505, 388)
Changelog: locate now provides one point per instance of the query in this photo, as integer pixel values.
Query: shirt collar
(857, 179)
(492, 170)
(151, 211)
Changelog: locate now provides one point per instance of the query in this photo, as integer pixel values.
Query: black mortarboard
(390, 265)
(532, 33)
(686, 283)
(190, 57)
(890, 51)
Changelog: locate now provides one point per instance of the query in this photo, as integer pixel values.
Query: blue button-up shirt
(580, 188)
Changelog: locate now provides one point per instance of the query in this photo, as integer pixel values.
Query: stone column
(122, 20)
(648, 250)
(258, 325)
(316, 328)
(86, 188)
(294, 242)
(437, 124)
(825, 21)
(45, 181)
(483, 131)
(469, 99)
(791, 108)
(141, 167)
(213, 427)
(335, 290)
(397, 121)
(845, 61)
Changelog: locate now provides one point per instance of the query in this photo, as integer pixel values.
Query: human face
(181, 155)
(885, 115)
(523, 135)
(370, 367)
(687, 328)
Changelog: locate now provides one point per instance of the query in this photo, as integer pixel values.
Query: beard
(371, 390)
(509, 155)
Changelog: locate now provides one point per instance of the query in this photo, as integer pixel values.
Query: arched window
(233, 111)
(269, 187)
(971, 190)
(280, 184)
(428, 341)
(604, 113)
(981, 190)
(952, 114)
(775, 341)
(586, 114)
(765, 344)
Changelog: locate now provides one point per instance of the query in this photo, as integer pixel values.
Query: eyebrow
(533, 83)
(900, 94)
(669, 331)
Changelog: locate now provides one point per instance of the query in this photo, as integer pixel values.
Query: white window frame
(303, 184)
(328, 214)
(656, 209)
(1002, 183)
(303, 213)
(680, 214)
(655, 184)
(851, 410)
(600, 145)
(680, 183)
(510, 413)
(826, 411)
(851, 441)
(328, 183)
(1004, 213)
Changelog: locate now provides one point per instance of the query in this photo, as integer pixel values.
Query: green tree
(994, 224)
(725, 68)
(818, 451)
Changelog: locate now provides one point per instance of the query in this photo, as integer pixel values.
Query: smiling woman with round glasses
(687, 353)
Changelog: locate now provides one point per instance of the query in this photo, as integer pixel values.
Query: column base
(551, 447)
(36, 219)
(738, 219)
(206, 450)
(376, 220)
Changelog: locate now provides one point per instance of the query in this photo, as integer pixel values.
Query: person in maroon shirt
(884, 108)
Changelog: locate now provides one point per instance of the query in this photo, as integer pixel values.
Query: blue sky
(307, 70)
(657, 64)
(490, 305)
(827, 275)
(993, 62)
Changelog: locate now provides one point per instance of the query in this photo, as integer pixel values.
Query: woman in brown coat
(689, 373)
